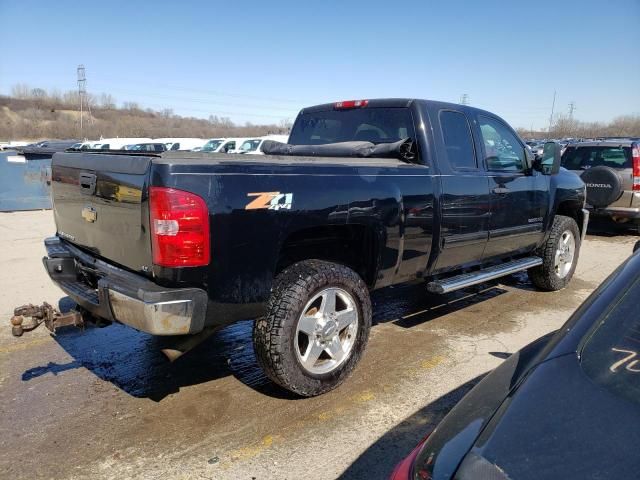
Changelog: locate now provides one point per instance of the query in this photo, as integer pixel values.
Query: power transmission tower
(572, 107)
(464, 99)
(82, 90)
(82, 93)
(553, 105)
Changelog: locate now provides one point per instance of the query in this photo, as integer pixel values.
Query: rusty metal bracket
(39, 314)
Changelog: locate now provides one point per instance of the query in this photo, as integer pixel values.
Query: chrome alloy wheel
(565, 253)
(326, 331)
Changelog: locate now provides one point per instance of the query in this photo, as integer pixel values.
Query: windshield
(611, 357)
(582, 158)
(376, 125)
(250, 145)
(211, 145)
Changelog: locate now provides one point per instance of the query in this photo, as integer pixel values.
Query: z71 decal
(270, 201)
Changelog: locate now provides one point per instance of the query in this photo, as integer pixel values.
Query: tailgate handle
(87, 183)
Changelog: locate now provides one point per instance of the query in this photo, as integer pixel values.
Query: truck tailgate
(100, 204)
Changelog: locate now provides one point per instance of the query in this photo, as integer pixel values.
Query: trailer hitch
(45, 313)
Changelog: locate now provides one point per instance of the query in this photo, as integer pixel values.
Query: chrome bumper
(125, 297)
(164, 317)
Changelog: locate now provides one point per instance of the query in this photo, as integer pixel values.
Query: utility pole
(553, 106)
(464, 99)
(82, 91)
(572, 107)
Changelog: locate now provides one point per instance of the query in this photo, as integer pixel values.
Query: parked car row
(251, 145)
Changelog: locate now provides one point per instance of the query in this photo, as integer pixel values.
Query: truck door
(519, 196)
(464, 199)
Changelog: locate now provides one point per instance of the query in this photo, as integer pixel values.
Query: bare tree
(130, 106)
(21, 91)
(107, 101)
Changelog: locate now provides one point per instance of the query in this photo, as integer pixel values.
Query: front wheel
(316, 327)
(559, 255)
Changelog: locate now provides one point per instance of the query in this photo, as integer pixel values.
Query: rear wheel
(316, 327)
(559, 255)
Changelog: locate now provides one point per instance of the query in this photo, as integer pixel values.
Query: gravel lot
(105, 403)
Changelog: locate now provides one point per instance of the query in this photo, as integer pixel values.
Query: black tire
(275, 334)
(544, 276)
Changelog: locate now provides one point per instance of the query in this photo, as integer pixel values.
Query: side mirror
(549, 163)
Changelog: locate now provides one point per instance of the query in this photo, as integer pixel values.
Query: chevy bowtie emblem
(89, 214)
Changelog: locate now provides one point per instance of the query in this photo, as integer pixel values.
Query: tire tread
(272, 333)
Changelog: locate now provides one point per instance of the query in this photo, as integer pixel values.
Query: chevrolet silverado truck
(366, 194)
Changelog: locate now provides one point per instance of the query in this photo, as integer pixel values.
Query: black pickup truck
(366, 194)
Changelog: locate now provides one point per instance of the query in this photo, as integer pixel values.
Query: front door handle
(501, 190)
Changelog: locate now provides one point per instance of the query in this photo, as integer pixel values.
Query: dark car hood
(458, 431)
(560, 424)
(539, 409)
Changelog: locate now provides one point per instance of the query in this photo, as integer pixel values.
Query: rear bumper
(123, 296)
(619, 212)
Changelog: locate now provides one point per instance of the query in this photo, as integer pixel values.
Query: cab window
(458, 142)
(503, 150)
(375, 125)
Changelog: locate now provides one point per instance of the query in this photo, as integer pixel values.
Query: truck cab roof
(392, 103)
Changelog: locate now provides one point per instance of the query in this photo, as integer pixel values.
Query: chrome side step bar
(464, 280)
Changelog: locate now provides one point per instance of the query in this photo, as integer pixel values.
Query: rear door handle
(500, 190)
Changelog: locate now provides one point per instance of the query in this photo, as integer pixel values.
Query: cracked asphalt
(104, 403)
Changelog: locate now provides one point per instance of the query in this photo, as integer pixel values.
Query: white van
(253, 146)
(118, 143)
(223, 145)
(181, 143)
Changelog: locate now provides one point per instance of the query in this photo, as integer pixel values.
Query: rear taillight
(635, 158)
(350, 104)
(179, 228)
(404, 469)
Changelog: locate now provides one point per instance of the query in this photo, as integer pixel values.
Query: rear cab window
(611, 356)
(370, 124)
(585, 157)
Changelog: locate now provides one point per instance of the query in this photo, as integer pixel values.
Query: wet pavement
(104, 402)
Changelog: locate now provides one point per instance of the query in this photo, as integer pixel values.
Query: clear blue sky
(262, 61)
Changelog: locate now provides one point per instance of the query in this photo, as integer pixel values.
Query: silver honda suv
(611, 171)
